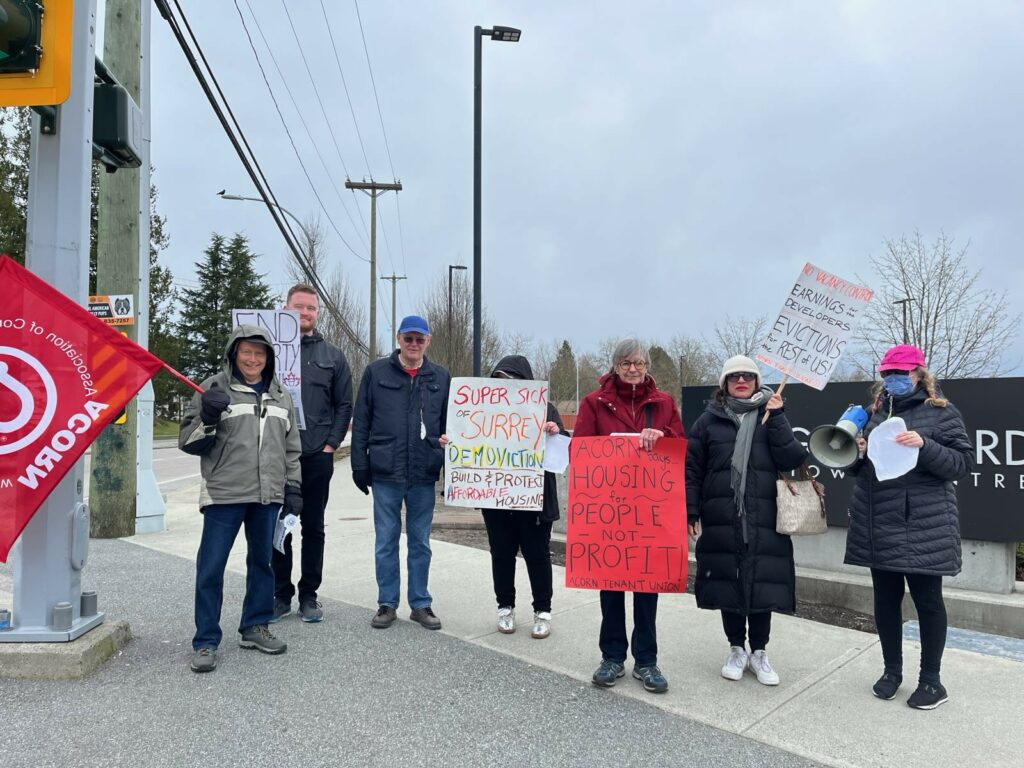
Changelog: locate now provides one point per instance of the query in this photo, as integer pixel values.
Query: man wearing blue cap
(398, 439)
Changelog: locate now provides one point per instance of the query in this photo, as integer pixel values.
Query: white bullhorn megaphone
(835, 445)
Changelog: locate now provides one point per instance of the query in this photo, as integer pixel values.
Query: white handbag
(800, 505)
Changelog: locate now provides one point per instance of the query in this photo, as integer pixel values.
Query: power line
(380, 116)
(284, 124)
(351, 109)
(248, 161)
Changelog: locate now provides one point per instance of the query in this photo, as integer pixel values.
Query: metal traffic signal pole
(51, 552)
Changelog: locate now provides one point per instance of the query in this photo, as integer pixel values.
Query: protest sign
(627, 515)
(283, 327)
(496, 443)
(63, 376)
(816, 323)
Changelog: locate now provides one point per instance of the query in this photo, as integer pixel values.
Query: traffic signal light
(35, 52)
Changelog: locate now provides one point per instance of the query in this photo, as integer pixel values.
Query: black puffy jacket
(326, 394)
(911, 523)
(386, 428)
(759, 576)
(518, 367)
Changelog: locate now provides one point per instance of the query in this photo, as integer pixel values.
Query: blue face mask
(898, 384)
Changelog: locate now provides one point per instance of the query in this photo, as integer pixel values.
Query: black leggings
(735, 625)
(509, 532)
(926, 592)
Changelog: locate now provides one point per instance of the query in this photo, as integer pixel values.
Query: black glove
(214, 402)
(362, 479)
(292, 500)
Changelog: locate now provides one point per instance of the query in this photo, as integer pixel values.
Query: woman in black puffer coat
(907, 529)
(744, 568)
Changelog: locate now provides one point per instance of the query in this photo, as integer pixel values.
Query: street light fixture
(309, 239)
(505, 35)
(448, 342)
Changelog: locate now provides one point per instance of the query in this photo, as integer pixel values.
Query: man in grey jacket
(242, 429)
(327, 410)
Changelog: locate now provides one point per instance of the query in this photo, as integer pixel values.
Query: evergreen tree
(664, 371)
(562, 376)
(244, 288)
(15, 132)
(163, 338)
(203, 329)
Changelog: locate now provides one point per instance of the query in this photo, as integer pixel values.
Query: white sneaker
(761, 667)
(735, 664)
(506, 620)
(541, 625)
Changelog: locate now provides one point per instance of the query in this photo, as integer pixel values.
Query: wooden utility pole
(112, 490)
(373, 189)
(394, 298)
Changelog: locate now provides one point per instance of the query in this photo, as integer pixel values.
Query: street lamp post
(506, 35)
(309, 238)
(904, 302)
(448, 338)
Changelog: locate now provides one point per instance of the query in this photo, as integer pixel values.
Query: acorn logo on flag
(24, 415)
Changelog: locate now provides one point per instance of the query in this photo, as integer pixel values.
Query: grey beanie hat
(739, 364)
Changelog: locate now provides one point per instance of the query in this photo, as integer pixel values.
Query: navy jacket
(326, 394)
(732, 577)
(911, 523)
(391, 406)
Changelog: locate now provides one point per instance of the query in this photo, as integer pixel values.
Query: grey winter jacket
(253, 452)
(911, 524)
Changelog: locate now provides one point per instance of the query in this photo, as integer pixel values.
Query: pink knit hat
(902, 357)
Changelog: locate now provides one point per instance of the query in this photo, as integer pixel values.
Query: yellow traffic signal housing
(35, 52)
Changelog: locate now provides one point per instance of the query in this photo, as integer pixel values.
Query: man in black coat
(326, 410)
(398, 439)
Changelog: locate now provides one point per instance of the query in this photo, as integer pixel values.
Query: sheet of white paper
(556, 453)
(891, 459)
(283, 528)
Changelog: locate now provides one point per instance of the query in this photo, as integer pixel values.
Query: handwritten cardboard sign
(496, 449)
(286, 336)
(814, 327)
(627, 515)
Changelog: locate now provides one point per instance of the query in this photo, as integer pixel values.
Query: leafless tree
(737, 336)
(698, 363)
(451, 343)
(963, 329)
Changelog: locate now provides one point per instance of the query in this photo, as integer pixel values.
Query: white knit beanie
(739, 364)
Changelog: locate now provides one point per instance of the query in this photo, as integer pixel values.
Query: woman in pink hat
(907, 529)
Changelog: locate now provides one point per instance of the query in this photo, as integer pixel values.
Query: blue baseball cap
(414, 324)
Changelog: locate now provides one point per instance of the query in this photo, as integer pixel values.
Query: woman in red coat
(629, 401)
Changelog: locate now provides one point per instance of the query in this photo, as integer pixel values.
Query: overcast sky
(648, 167)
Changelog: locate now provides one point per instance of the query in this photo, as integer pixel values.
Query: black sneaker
(607, 673)
(652, 678)
(261, 639)
(887, 686)
(927, 696)
(425, 618)
(310, 611)
(204, 660)
(282, 608)
(384, 617)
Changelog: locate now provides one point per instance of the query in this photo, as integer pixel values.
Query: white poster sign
(495, 455)
(283, 327)
(815, 325)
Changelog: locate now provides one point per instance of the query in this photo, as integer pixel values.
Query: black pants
(317, 470)
(509, 532)
(926, 592)
(613, 627)
(736, 625)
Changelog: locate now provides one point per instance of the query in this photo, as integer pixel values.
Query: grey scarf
(744, 415)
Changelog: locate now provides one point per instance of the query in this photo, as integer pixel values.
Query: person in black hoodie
(733, 459)
(907, 529)
(512, 530)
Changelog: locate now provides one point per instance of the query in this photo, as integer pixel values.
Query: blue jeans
(220, 528)
(387, 523)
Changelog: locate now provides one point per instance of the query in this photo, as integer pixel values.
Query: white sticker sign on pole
(285, 335)
(495, 454)
(816, 323)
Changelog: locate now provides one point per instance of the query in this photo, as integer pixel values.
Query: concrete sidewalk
(476, 697)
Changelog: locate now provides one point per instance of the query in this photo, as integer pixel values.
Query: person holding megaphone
(905, 527)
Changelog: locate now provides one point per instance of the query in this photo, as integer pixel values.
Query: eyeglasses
(741, 376)
(895, 373)
(410, 340)
(625, 365)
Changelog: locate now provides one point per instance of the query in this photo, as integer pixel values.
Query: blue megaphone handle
(856, 415)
